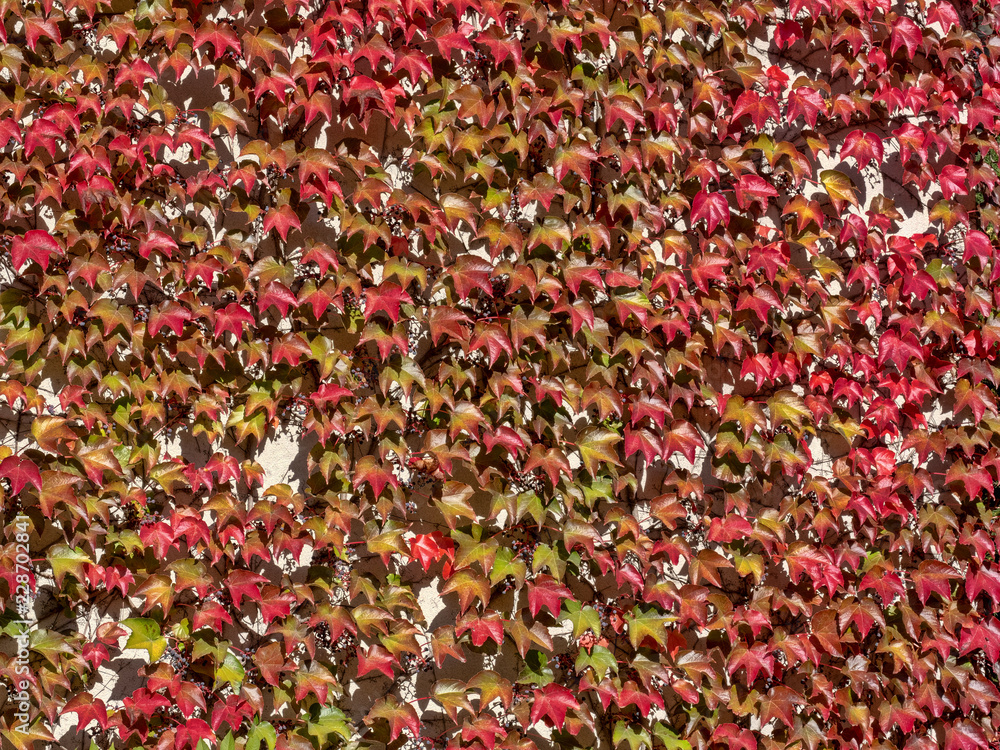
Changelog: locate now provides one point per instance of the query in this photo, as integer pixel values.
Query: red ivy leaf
(87, 709)
(429, 548)
(905, 33)
(545, 591)
(552, 703)
(20, 471)
(752, 188)
(863, 147)
(36, 245)
(977, 245)
(712, 207)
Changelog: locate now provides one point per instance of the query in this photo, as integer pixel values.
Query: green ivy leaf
(145, 634)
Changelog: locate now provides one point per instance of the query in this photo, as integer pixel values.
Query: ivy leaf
(454, 503)
(779, 703)
(386, 297)
(453, 696)
(934, 577)
(429, 548)
(635, 737)
(270, 661)
(374, 658)
(965, 735)
(282, 219)
(977, 245)
(36, 245)
(399, 715)
(839, 187)
(20, 471)
(596, 446)
(545, 591)
(25, 736)
(244, 583)
(231, 671)
(225, 115)
(952, 180)
(145, 634)
(552, 703)
(492, 686)
(648, 624)
(87, 709)
(447, 321)
(712, 207)
(261, 732)
(469, 585)
(369, 471)
(752, 188)
(326, 720)
(864, 147)
(582, 618)
(905, 33)
(64, 559)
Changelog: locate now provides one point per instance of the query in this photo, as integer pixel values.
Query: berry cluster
(421, 743)
(364, 371)
(324, 556)
(416, 481)
(521, 693)
(257, 228)
(176, 659)
(486, 307)
(188, 116)
(413, 332)
(416, 422)
(80, 318)
(131, 515)
(605, 609)
(413, 664)
(175, 178)
(293, 412)
(346, 643)
(273, 173)
(985, 666)
(151, 518)
(564, 662)
(342, 573)
(694, 535)
(524, 549)
(353, 305)
(499, 283)
(515, 213)
(512, 26)
(176, 408)
(405, 173)
(953, 254)
(322, 635)
(307, 270)
(527, 482)
(393, 216)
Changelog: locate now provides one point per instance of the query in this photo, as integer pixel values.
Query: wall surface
(499, 375)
